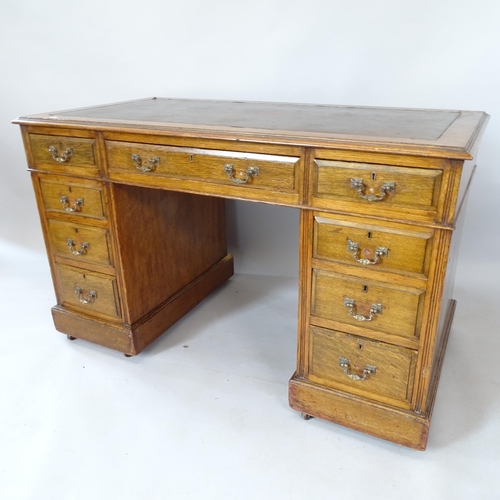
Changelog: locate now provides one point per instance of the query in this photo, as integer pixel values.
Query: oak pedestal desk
(133, 246)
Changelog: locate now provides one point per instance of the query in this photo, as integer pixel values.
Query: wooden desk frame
(131, 186)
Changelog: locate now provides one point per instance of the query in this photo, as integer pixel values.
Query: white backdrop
(56, 54)
(211, 421)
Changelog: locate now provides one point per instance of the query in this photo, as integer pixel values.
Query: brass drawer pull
(84, 247)
(92, 295)
(154, 161)
(387, 187)
(251, 172)
(374, 309)
(76, 206)
(68, 153)
(368, 370)
(379, 252)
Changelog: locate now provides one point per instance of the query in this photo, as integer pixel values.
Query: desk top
(443, 133)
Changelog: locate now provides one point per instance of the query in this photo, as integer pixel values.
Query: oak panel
(165, 242)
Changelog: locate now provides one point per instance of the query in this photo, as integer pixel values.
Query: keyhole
(69, 189)
(360, 346)
(190, 158)
(369, 235)
(84, 277)
(76, 230)
(365, 288)
(373, 176)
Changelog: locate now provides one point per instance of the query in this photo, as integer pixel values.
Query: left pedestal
(128, 262)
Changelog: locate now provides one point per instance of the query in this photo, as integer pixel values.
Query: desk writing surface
(445, 131)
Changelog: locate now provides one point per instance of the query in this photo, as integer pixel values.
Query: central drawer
(247, 170)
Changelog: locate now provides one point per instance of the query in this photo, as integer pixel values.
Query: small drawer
(376, 185)
(92, 293)
(365, 367)
(73, 198)
(79, 242)
(246, 170)
(396, 248)
(55, 153)
(366, 304)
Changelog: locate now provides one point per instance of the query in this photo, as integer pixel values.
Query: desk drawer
(366, 304)
(73, 198)
(376, 185)
(92, 293)
(53, 152)
(79, 242)
(395, 248)
(246, 170)
(361, 366)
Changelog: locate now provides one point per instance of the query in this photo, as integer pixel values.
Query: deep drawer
(394, 248)
(246, 170)
(361, 366)
(79, 242)
(73, 198)
(92, 293)
(367, 304)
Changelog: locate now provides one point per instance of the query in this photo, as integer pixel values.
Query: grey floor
(203, 412)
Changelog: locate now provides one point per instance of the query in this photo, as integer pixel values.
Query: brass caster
(70, 337)
(305, 416)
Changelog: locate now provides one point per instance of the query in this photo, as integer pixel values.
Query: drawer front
(377, 185)
(90, 292)
(362, 303)
(79, 242)
(361, 366)
(73, 199)
(53, 152)
(260, 171)
(372, 246)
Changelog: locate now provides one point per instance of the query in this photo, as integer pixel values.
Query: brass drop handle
(84, 247)
(68, 153)
(386, 187)
(374, 309)
(76, 206)
(154, 161)
(251, 172)
(368, 370)
(91, 296)
(354, 248)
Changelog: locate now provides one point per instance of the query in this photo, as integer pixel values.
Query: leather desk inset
(133, 246)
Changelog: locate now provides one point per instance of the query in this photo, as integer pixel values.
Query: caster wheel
(71, 337)
(305, 416)
(128, 355)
